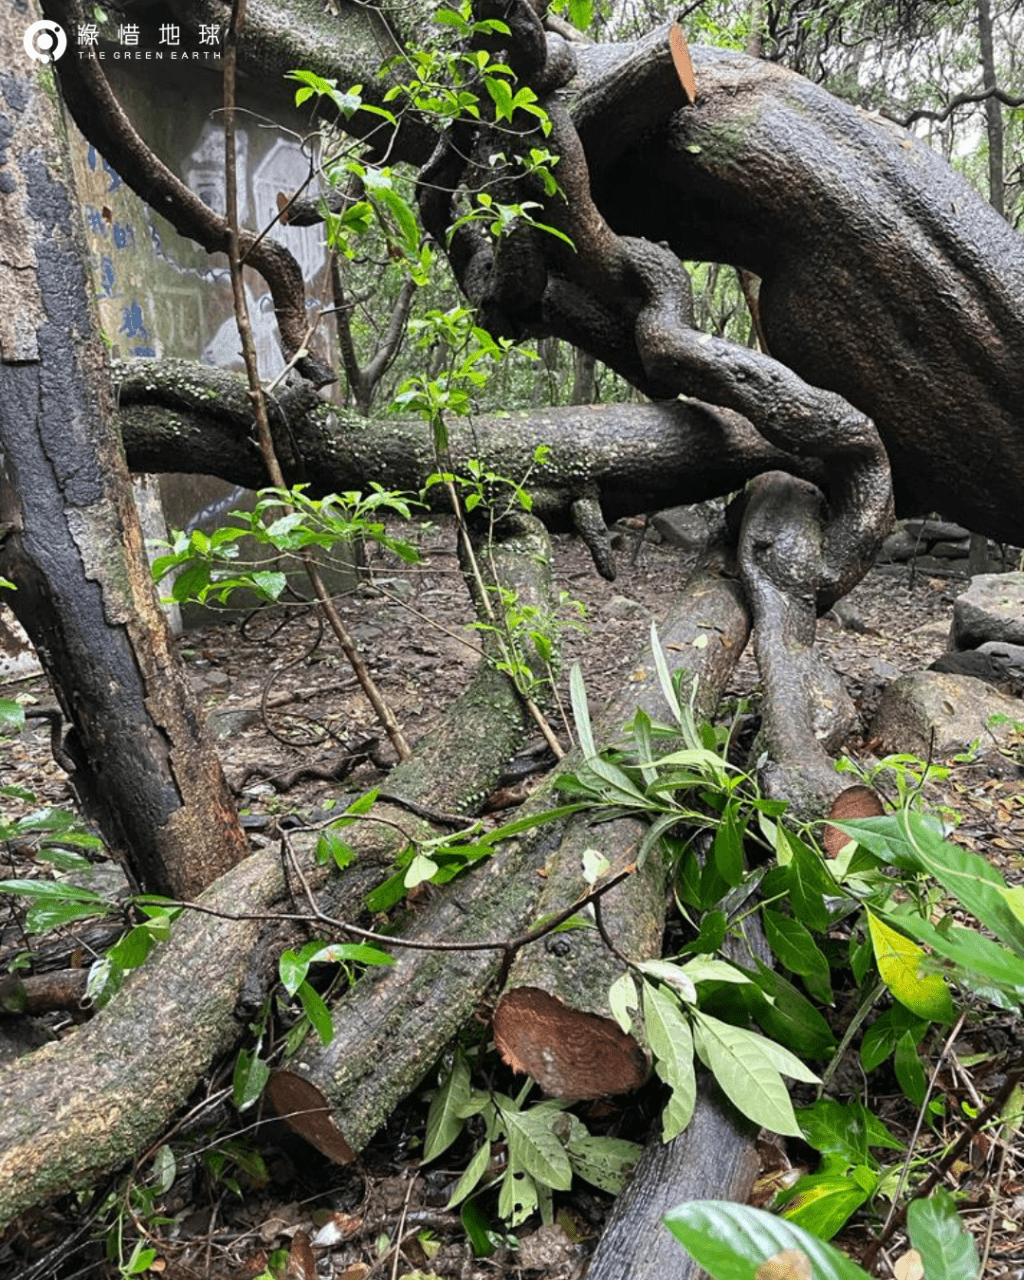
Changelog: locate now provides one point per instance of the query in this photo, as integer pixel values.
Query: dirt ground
(284, 705)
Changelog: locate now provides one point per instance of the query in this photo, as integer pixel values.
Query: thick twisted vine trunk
(70, 540)
(885, 277)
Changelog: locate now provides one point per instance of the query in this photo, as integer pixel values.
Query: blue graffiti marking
(94, 220)
(123, 235)
(131, 322)
(107, 277)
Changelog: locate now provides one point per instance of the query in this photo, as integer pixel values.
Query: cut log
(81, 1107)
(391, 1028)
(553, 1020)
(715, 1158)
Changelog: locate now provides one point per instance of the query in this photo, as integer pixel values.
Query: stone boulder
(681, 527)
(956, 708)
(992, 608)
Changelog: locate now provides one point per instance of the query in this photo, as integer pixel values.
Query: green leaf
(12, 716)
(727, 849)
(250, 1078)
(824, 1202)
(581, 712)
(787, 1015)
(269, 583)
(672, 975)
(809, 882)
(885, 1033)
(739, 1061)
(713, 928)
(909, 1070)
(133, 949)
(518, 1197)
(420, 869)
(534, 1147)
(474, 1172)
(903, 966)
(330, 845)
(846, 1129)
(797, 951)
(292, 969)
(668, 689)
(671, 1042)
(622, 998)
(910, 840)
(979, 957)
(165, 1169)
(317, 1012)
(732, 1241)
(477, 1226)
(444, 1123)
(45, 916)
(53, 891)
(947, 1248)
(191, 583)
(603, 1162)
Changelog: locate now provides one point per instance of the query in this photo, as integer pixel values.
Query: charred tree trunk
(69, 534)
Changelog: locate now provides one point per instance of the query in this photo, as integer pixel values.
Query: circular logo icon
(45, 41)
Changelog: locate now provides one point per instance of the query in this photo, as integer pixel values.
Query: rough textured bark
(631, 458)
(83, 1106)
(806, 711)
(70, 540)
(714, 1159)
(885, 278)
(553, 1020)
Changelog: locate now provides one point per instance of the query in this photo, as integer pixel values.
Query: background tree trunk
(70, 540)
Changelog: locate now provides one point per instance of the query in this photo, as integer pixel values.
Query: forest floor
(285, 705)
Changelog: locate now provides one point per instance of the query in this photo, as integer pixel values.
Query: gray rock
(951, 550)
(989, 667)
(681, 527)
(992, 608)
(623, 607)
(935, 530)
(957, 709)
(1011, 654)
(899, 546)
(226, 723)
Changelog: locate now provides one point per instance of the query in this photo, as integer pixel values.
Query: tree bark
(139, 757)
(391, 1028)
(715, 1158)
(625, 458)
(806, 711)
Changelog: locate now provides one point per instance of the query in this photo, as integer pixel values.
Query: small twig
(509, 946)
(960, 100)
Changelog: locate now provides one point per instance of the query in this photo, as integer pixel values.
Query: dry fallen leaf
(787, 1264)
(908, 1266)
